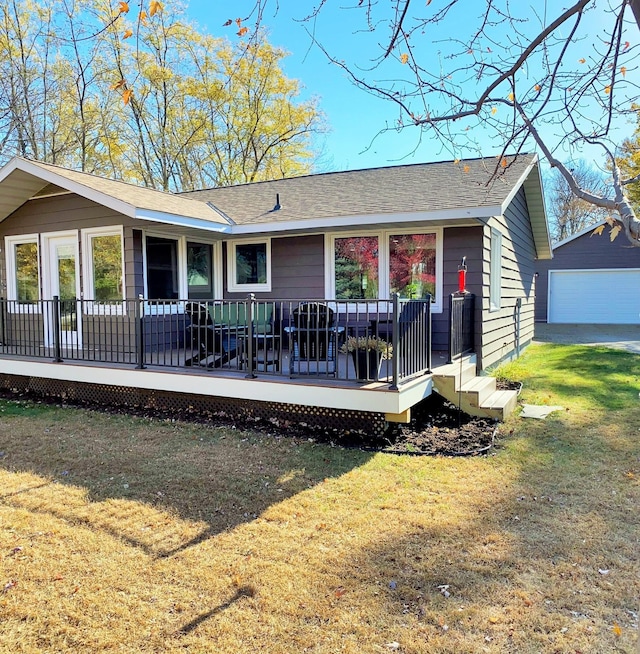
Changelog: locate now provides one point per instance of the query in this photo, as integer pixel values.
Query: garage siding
(585, 252)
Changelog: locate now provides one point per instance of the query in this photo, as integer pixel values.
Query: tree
(558, 78)
(569, 214)
(629, 163)
(172, 109)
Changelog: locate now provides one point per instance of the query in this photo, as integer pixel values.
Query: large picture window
(412, 265)
(375, 266)
(23, 269)
(356, 267)
(249, 266)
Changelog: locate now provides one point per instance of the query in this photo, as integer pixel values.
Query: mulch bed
(437, 427)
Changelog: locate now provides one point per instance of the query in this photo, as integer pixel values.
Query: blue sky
(354, 117)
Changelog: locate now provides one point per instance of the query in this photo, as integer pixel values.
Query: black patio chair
(313, 340)
(209, 345)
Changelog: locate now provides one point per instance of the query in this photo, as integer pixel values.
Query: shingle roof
(407, 189)
(130, 198)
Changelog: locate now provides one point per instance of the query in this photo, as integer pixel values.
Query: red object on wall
(462, 276)
(462, 280)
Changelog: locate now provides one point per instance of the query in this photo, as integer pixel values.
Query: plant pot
(367, 364)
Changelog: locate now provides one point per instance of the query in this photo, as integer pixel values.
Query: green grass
(593, 378)
(135, 535)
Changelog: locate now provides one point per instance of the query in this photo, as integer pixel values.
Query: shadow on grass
(545, 562)
(245, 591)
(157, 485)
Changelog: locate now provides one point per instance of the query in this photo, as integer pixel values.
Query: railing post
(452, 328)
(139, 314)
(395, 341)
(57, 350)
(3, 322)
(429, 333)
(250, 335)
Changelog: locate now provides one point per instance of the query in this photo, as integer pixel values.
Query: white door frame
(50, 285)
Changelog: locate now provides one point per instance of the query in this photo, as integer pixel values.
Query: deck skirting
(358, 406)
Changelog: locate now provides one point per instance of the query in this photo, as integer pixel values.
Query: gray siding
(586, 252)
(67, 212)
(507, 330)
(458, 242)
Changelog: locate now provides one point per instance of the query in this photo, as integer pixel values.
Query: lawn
(126, 534)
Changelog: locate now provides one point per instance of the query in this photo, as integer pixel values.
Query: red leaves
(238, 21)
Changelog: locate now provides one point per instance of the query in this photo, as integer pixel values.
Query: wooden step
(500, 404)
(479, 389)
(475, 395)
(452, 376)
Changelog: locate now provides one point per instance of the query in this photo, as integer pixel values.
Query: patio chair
(313, 340)
(209, 345)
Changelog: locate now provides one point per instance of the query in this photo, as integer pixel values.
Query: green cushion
(235, 314)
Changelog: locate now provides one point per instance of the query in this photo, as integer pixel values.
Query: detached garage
(590, 280)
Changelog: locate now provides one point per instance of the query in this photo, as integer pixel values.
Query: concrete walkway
(622, 337)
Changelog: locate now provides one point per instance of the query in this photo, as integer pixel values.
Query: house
(590, 280)
(100, 279)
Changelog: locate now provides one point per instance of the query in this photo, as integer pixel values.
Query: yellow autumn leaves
(123, 8)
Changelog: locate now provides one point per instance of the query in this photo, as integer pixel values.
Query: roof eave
(340, 222)
(32, 168)
(166, 218)
(531, 181)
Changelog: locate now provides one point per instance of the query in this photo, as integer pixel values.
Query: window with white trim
(376, 265)
(199, 271)
(495, 273)
(103, 264)
(23, 268)
(162, 268)
(249, 266)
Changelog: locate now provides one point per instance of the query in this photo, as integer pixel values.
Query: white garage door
(594, 296)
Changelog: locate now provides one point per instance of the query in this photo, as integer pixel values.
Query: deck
(165, 371)
(284, 352)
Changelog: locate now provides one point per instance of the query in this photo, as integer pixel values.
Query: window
(356, 267)
(375, 266)
(103, 264)
(412, 265)
(495, 280)
(249, 266)
(23, 269)
(199, 271)
(162, 268)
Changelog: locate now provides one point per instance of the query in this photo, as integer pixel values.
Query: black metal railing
(461, 324)
(257, 337)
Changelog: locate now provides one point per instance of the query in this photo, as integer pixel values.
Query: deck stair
(477, 396)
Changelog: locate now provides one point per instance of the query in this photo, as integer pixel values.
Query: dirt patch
(437, 427)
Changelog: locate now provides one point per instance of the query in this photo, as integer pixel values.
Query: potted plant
(367, 352)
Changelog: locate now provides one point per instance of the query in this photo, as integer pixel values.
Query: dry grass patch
(123, 534)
